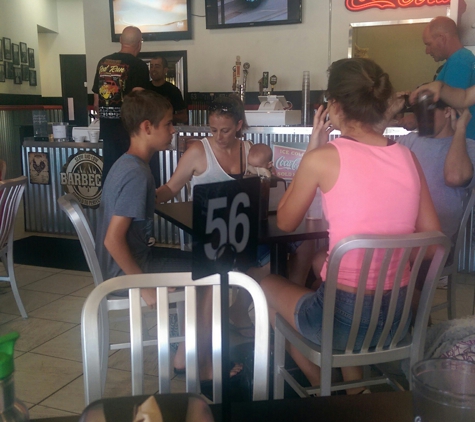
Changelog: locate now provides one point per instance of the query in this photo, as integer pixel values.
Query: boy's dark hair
(361, 88)
(231, 106)
(141, 105)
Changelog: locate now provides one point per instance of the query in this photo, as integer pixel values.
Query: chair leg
(279, 362)
(11, 274)
(104, 336)
(451, 296)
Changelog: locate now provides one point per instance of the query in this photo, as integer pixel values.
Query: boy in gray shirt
(128, 196)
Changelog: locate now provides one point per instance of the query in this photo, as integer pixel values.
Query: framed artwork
(17, 75)
(38, 163)
(7, 48)
(25, 72)
(32, 77)
(2, 72)
(16, 54)
(1, 50)
(23, 53)
(9, 70)
(31, 58)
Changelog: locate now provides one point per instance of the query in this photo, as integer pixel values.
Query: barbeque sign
(82, 176)
(225, 226)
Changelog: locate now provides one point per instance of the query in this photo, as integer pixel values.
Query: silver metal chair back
(90, 332)
(451, 270)
(397, 252)
(11, 192)
(71, 206)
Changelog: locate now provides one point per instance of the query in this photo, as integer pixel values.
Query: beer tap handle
(234, 79)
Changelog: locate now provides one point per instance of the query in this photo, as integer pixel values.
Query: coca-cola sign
(286, 161)
(357, 5)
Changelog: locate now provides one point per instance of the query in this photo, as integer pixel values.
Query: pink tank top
(377, 192)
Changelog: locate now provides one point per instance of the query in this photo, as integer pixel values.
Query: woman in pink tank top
(369, 185)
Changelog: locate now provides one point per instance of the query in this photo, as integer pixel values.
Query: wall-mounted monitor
(158, 20)
(239, 13)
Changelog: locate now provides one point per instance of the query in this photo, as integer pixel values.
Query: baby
(259, 161)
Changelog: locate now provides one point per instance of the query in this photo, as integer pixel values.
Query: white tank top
(214, 172)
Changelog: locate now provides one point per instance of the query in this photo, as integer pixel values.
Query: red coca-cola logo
(287, 161)
(282, 164)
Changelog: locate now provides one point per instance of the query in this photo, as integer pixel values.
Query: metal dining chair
(399, 247)
(91, 341)
(71, 206)
(11, 192)
(451, 269)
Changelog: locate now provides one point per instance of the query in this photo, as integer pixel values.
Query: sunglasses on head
(225, 107)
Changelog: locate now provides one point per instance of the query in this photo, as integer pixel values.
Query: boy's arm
(458, 168)
(116, 244)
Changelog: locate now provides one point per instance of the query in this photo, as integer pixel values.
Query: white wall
(342, 18)
(18, 21)
(69, 39)
(284, 50)
(61, 27)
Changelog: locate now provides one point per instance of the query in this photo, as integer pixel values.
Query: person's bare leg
(353, 373)
(300, 262)
(204, 300)
(317, 265)
(239, 310)
(282, 297)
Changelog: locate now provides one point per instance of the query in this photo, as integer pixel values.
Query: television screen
(157, 19)
(236, 13)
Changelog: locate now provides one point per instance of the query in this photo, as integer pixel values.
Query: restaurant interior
(48, 355)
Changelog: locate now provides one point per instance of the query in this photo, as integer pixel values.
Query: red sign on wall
(287, 160)
(358, 5)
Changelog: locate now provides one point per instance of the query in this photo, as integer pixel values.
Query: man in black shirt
(116, 76)
(158, 72)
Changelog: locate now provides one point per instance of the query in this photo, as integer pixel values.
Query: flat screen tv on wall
(239, 13)
(158, 20)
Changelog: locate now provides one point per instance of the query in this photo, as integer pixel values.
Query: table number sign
(225, 226)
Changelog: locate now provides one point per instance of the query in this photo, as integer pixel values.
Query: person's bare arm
(458, 168)
(396, 104)
(316, 169)
(181, 116)
(96, 104)
(193, 160)
(427, 219)
(454, 97)
(116, 243)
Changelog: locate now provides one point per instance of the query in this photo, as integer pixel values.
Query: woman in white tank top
(220, 158)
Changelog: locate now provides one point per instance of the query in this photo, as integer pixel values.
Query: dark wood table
(181, 214)
(376, 407)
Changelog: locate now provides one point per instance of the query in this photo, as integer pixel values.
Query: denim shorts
(309, 316)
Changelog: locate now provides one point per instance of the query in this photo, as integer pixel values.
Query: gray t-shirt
(129, 191)
(448, 201)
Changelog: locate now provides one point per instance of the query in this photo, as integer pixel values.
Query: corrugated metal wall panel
(42, 213)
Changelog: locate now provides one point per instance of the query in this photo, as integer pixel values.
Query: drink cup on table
(443, 390)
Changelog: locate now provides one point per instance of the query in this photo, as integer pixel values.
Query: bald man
(116, 75)
(442, 42)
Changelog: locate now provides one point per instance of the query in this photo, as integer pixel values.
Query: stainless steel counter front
(70, 173)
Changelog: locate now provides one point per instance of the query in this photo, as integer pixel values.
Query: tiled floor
(48, 368)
